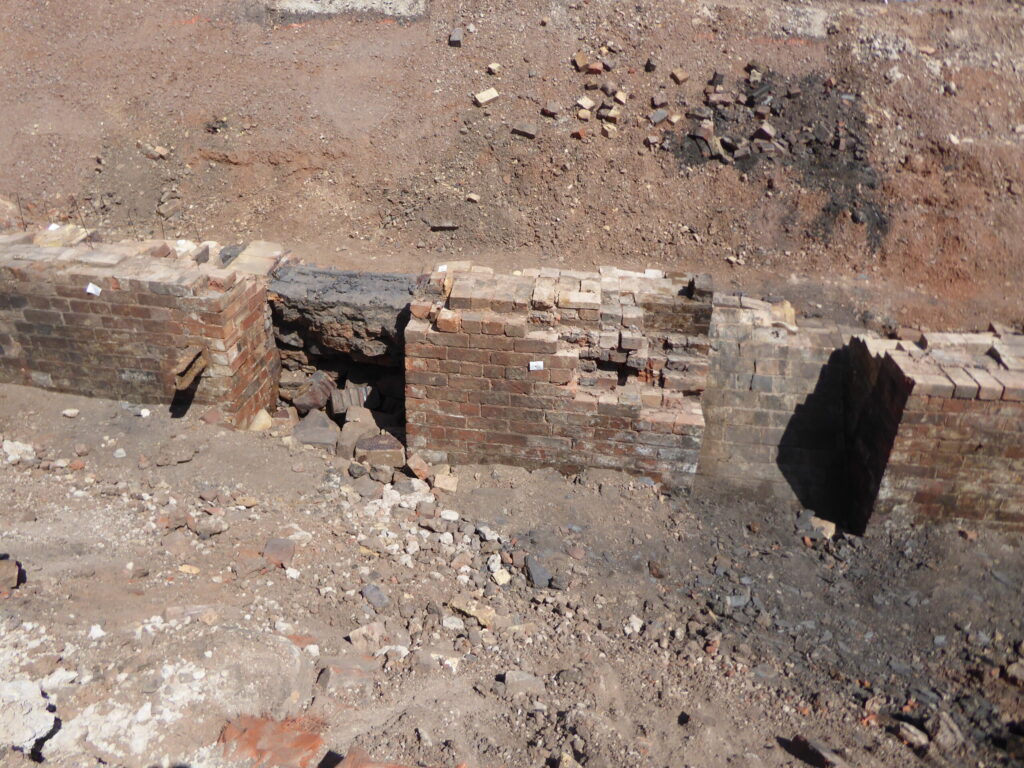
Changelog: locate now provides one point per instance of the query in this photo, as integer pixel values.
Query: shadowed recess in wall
(812, 453)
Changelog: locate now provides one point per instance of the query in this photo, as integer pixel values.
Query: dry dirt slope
(348, 135)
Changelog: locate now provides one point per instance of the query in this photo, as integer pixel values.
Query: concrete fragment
(455, 37)
(354, 313)
(23, 715)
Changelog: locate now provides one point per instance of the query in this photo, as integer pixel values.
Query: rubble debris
(24, 715)
(455, 37)
(286, 743)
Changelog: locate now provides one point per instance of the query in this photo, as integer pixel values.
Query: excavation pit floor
(680, 631)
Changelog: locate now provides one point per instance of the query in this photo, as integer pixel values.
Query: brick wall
(940, 430)
(156, 310)
(773, 406)
(560, 368)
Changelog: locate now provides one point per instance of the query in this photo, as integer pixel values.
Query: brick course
(128, 341)
(940, 431)
(560, 368)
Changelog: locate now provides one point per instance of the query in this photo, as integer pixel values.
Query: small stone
(650, 65)
(815, 753)
(519, 683)
(501, 577)
(825, 527)
(679, 76)
(765, 131)
(454, 623)
(9, 573)
(279, 552)
(633, 625)
(912, 735)
(585, 102)
(81, 449)
(472, 197)
(70, 413)
(583, 114)
(455, 37)
(658, 116)
(375, 596)
(944, 732)
(207, 526)
(486, 96)
(539, 576)
(368, 488)
(318, 429)
(1015, 673)
(418, 466)
(550, 109)
(559, 581)
(493, 68)
(526, 130)
(261, 421)
(446, 483)
(659, 99)
(120, 453)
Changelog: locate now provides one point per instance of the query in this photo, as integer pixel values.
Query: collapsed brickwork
(560, 368)
(138, 321)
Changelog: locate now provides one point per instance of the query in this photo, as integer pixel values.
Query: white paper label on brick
(536, 365)
(93, 289)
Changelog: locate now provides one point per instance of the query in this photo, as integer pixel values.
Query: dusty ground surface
(674, 632)
(682, 632)
(347, 136)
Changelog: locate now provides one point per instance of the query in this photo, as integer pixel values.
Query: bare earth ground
(683, 632)
(343, 135)
(689, 632)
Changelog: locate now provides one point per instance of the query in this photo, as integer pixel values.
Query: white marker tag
(93, 289)
(442, 268)
(536, 365)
